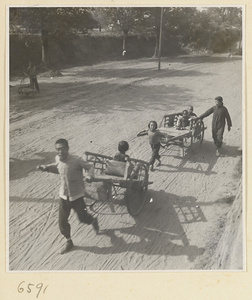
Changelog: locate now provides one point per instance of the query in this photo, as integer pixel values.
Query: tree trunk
(125, 34)
(124, 42)
(43, 53)
(156, 50)
(44, 37)
(157, 29)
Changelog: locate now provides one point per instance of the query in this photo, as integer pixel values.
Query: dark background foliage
(55, 37)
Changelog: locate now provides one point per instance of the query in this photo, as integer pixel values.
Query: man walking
(220, 116)
(70, 169)
(32, 73)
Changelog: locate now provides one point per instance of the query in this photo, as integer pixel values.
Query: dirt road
(96, 106)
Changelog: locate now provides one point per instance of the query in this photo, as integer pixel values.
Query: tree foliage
(210, 28)
(56, 21)
(50, 23)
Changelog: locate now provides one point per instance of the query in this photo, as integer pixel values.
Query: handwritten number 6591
(29, 288)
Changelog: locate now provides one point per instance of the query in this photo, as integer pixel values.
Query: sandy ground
(94, 107)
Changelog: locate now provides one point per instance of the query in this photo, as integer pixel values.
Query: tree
(124, 20)
(188, 26)
(213, 28)
(101, 15)
(226, 23)
(50, 23)
(153, 23)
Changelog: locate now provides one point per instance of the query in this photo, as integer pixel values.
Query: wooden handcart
(25, 89)
(188, 138)
(128, 188)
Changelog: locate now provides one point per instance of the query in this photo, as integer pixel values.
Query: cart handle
(109, 157)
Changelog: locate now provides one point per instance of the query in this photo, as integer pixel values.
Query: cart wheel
(197, 136)
(93, 194)
(163, 142)
(136, 191)
(185, 144)
(105, 198)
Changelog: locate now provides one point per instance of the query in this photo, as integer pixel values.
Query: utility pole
(160, 38)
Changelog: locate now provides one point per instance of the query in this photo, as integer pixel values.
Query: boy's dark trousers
(155, 153)
(79, 207)
(34, 81)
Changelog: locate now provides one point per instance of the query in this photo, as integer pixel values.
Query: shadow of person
(17, 199)
(201, 162)
(20, 168)
(157, 230)
(205, 157)
(231, 151)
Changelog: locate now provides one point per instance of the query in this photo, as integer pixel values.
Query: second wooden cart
(188, 138)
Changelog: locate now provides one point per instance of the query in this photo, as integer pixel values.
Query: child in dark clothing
(154, 139)
(124, 165)
(183, 120)
(190, 112)
(123, 146)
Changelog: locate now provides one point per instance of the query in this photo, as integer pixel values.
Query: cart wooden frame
(135, 184)
(189, 138)
(25, 89)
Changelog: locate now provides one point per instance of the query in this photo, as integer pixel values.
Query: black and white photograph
(125, 138)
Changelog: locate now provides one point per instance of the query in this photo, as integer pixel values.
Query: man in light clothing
(70, 168)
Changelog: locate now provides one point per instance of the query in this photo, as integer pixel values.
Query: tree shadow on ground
(158, 229)
(132, 68)
(19, 168)
(79, 90)
(80, 98)
(141, 75)
(204, 59)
